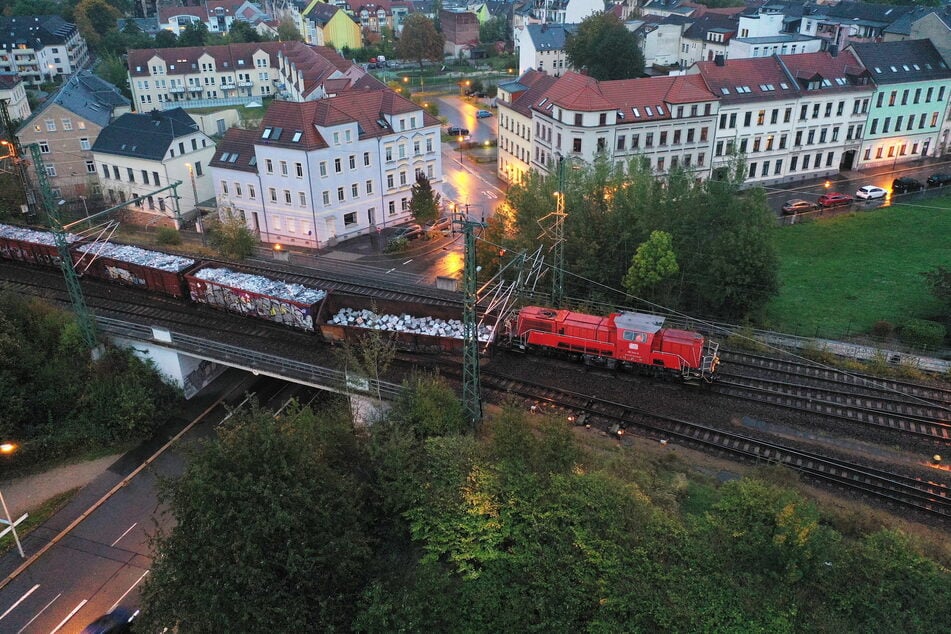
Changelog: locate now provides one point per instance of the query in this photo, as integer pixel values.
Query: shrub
(882, 329)
(922, 333)
(167, 235)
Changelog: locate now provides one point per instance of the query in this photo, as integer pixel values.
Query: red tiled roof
(650, 96)
(239, 143)
(822, 65)
(185, 59)
(749, 79)
(291, 117)
(537, 83)
(164, 13)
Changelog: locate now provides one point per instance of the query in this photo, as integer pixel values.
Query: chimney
(719, 60)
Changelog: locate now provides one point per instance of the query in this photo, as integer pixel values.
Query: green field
(840, 275)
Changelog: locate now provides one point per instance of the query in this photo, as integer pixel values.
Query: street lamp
(85, 208)
(460, 150)
(199, 227)
(6, 449)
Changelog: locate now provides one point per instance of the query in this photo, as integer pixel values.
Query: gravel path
(25, 494)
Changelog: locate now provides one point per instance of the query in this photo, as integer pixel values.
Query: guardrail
(253, 361)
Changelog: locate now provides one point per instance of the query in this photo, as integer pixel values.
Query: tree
(166, 39)
(232, 237)
(424, 202)
(653, 263)
(939, 279)
(242, 31)
(370, 357)
(604, 48)
(95, 18)
(274, 528)
(420, 40)
(287, 31)
(494, 30)
(195, 34)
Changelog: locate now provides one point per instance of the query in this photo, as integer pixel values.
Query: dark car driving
(939, 179)
(456, 131)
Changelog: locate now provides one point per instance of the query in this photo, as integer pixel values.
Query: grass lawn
(840, 275)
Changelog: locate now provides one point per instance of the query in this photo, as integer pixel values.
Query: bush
(882, 329)
(167, 236)
(923, 334)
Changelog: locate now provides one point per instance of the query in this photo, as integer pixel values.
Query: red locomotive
(634, 339)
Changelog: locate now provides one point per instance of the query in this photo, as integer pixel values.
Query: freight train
(619, 340)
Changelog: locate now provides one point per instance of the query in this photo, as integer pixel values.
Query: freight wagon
(151, 270)
(29, 245)
(414, 327)
(249, 295)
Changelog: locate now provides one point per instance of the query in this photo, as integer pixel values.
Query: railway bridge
(194, 362)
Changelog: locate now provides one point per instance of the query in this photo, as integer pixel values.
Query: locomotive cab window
(636, 337)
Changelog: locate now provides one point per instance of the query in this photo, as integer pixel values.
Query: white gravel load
(32, 235)
(135, 255)
(262, 285)
(432, 326)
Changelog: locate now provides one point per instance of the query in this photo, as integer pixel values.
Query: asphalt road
(101, 562)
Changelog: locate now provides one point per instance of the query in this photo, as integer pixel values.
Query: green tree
(194, 34)
(939, 278)
(287, 31)
(95, 18)
(424, 203)
(370, 357)
(232, 238)
(653, 263)
(166, 39)
(420, 40)
(494, 30)
(274, 530)
(242, 31)
(113, 70)
(605, 48)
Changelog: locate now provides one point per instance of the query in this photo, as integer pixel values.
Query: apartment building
(65, 128)
(40, 48)
(793, 116)
(292, 70)
(217, 15)
(325, 24)
(910, 103)
(13, 92)
(319, 171)
(542, 47)
(137, 154)
(515, 100)
(668, 120)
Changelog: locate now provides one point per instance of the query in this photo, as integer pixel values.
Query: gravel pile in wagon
(31, 235)
(261, 285)
(432, 326)
(135, 255)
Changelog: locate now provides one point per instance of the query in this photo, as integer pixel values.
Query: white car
(869, 192)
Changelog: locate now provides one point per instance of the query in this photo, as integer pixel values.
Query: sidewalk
(27, 493)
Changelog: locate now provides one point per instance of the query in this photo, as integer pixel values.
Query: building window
(51, 171)
(389, 181)
(747, 118)
(323, 169)
(287, 196)
(50, 125)
(391, 207)
(302, 198)
(761, 117)
(355, 190)
(44, 147)
(338, 165)
(84, 143)
(130, 174)
(366, 155)
(350, 219)
(404, 204)
(224, 187)
(326, 197)
(577, 118)
(268, 166)
(237, 189)
(353, 162)
(272, 193)
(90, 167)
(752, 170)
(251, 193)
(369, 185)
(576, 145)
(402, 178)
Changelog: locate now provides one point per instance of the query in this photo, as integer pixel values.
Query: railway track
(930, 498)
(902, 407)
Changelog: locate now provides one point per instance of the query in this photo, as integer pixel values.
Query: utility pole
(84, 318)
(558, 248)
(471, 388)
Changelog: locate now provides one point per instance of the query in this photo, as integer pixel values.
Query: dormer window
(266, 134)
(297, 135)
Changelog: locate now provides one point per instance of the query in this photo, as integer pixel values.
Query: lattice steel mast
(471, 387)
(558, 248)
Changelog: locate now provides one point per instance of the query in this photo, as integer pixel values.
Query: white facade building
(139, 153)
(318, 172)
(39, 48)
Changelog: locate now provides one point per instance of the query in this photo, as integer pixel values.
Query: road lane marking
(19, 601)
(391, 270)
(137, 582)
(30, 622)
(123, 534)
(69, 616)
(407, 261)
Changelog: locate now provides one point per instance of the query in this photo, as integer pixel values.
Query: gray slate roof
(36, 31)
(146, 136)
(550, 37)
(88, 96)
(900, 62)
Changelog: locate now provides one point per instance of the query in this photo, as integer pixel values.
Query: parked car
(834, 199)
(868, 192)
(407, 232)
(482, 114)
(456, 131)
(442, 224)
(939, 180)
(906, 184)
(798, 206)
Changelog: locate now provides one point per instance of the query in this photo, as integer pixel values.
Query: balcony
(178, 89)
(195, 89)
(228, 87)
(245, 84)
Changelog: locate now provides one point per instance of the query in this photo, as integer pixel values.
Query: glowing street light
(7, 449)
